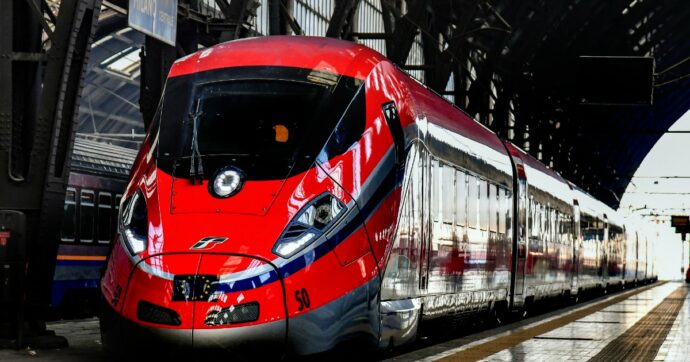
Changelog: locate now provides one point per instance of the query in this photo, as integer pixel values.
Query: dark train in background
(97, 179)
(294, 193)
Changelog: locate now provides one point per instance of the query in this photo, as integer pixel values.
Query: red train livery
(294, 193)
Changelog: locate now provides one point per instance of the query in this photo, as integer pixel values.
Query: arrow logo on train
(208, 242)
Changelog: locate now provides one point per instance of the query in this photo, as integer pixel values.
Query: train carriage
(97, 179)
(544, 261)
(590, 244)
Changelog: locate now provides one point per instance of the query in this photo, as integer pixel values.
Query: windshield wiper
(196, 168)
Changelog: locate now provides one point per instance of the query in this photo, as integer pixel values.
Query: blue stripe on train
(94, 263)
(382, 191)
(60, 287)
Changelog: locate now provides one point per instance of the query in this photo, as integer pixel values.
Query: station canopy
(540, 73)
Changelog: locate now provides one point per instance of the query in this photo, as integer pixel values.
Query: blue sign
(157, 18)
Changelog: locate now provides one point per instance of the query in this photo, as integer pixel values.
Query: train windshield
(267, 118)
(269, 124)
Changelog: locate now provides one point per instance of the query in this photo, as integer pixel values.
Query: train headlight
(310, 223)
(226, 182)
(134, 223)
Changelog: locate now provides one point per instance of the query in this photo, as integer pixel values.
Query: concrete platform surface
(644, 324)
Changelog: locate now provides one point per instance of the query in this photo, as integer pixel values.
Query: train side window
(472, 201)
(532, 230)
(483, 205)
(493, 208)
(545, 224)
(461, 198)
(509, 211)
(502, 211)
(105, 210)
(549, 214)
(86, 216)
(69, 217)
(448, 194)
(436, 180)
(556, 224)
(536, 218)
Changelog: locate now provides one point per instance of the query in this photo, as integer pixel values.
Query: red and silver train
(294, 193)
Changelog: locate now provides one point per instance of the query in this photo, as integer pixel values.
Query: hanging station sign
(156, 18)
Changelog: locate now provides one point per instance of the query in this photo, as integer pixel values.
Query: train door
(577, 248)
(426, 165)
(519, 241)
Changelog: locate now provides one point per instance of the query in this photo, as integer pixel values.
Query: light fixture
(226, 182)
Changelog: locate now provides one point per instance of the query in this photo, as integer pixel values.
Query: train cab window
(348, 130)
(105, 210)
(472, 201)
(86, 216)
(493, 208)
(69, 217)
(461, 198)
(448, 194)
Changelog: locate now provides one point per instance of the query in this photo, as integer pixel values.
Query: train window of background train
(116, 206)
(86, 216)
(104, 216)
(461, 198)
(493, 208)
(69, 217)
(472, 200)
(483, 205)
(448, 193)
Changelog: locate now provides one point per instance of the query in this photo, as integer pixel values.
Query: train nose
(207, 301)
(242, 305)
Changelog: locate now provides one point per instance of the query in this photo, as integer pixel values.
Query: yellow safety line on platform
(489, 348)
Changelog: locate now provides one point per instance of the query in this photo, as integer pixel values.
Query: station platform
(650, 323)
(644, 324)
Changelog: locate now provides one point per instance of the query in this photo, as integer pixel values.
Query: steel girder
(41, 91)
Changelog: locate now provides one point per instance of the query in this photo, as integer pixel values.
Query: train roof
(590, 205)
(99, 158)
(541, 177)
(318, 53)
